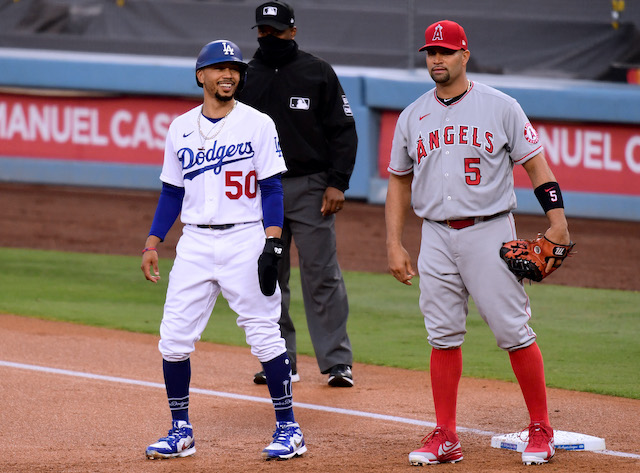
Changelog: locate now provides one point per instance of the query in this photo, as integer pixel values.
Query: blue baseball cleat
(178, 443)
(288, 442)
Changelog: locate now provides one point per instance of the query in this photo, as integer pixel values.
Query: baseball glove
(529, 258)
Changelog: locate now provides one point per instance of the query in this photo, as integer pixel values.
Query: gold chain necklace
(215, 129)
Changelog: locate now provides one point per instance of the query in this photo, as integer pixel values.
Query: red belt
(467, 222)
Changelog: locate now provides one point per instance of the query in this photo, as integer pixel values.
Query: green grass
(589, 337)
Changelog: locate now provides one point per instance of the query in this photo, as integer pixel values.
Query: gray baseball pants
(323, 289)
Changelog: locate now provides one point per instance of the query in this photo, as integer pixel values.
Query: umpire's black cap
(278, 15)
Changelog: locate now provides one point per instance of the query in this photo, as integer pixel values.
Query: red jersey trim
(535, 151)
(398, 171)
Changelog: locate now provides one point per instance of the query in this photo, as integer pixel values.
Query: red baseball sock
(446, 370)
(528, 367)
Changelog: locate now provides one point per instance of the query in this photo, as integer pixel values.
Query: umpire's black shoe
(261, 378)
(340, 376)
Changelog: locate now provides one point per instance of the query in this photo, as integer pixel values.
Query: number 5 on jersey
(472, 174)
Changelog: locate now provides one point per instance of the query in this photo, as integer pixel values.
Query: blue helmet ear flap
(221, 51)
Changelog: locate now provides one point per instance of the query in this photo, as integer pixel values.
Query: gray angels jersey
(462, 155)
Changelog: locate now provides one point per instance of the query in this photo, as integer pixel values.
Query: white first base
(517, 441)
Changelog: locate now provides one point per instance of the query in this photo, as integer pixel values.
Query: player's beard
(441, 78)
(214, 92)
(223, 98)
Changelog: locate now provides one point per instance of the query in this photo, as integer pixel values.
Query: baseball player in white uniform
(452, 158)
(221, 171)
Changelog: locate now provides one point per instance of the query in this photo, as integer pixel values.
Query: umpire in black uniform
(303, 95)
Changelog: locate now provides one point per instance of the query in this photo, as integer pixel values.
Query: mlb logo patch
(346, 107)
(270, 11)
(299, 103)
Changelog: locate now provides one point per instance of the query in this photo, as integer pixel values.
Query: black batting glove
(268, 265)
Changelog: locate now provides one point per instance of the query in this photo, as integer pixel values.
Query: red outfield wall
(600, 158)
(128, 130)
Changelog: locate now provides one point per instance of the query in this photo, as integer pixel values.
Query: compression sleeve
(272, 201)
(169, 206)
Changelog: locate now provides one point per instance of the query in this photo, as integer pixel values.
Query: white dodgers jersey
(462, 155)
(220, 175)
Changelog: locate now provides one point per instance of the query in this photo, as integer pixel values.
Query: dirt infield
(101, 421)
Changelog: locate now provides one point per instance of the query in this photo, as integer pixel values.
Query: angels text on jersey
(453, 135)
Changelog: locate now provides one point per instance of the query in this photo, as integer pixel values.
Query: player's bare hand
(557, 234)
(400, 265)
(150, 262)
(332, 201)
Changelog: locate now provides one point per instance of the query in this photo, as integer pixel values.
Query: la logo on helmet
(227, 49)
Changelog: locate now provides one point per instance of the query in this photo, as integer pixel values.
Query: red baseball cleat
(440, 446)
(540, 447)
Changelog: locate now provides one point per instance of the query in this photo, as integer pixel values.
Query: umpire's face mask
(276, 51)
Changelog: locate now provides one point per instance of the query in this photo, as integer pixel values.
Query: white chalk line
(297, 405)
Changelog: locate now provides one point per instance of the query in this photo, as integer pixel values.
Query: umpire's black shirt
(303, 96)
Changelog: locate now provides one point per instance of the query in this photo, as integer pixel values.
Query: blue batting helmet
(221, 51)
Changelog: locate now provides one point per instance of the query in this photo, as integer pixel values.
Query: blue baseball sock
(177, 376)
(278, 372)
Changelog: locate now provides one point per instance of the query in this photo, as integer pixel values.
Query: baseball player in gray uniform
(452, 158)
(221, 173)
